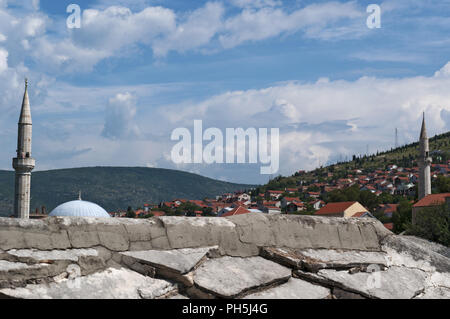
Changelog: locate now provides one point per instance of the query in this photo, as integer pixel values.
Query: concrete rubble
(253, 256)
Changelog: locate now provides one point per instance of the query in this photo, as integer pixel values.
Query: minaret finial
(26, 83)
(79, 195)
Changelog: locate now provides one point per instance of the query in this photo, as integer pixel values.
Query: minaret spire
(424, 162)
(423, 131)
(23, 163)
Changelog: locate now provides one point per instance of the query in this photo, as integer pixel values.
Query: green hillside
(111, 187)
(404, 156)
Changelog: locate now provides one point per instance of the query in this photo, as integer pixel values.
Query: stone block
(109, 284)
(228, 277)
(293, 289)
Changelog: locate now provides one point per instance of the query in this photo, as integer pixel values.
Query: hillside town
(307, 198)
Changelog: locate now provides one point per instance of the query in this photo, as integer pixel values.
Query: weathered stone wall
(236, 236)
(247, 256)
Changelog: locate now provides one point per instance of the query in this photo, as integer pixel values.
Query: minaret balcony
(25, 164)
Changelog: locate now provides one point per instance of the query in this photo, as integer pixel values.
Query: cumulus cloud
(120, 117)
(3, 60)
(328, 120)
(197, 31)
(445, 71)
(109, 31)
(316, 21)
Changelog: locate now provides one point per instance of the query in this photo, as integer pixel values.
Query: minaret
(23, 164)
(424, 163)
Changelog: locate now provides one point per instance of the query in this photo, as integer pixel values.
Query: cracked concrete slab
(293, 289)
(435, 293)
(180, 261)
(316, 259)
(38, 255)
(109, 284)
(228, 277)
(394, 283)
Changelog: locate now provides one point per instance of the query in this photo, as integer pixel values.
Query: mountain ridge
(114, 188)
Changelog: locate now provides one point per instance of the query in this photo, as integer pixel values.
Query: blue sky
(112, 92)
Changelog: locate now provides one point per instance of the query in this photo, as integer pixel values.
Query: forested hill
(113, 188)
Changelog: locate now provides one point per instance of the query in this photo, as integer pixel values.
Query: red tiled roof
(334, 208)
(360, 214)
(432, 200)
(237, 211)
(139, 212)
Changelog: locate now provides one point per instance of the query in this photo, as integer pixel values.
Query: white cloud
(120, 117)
(197, 31)
(316, 21)
(34, 26)
(320, 120)
(3, 60)
(115, 31)
(445, 71)
(115, 27)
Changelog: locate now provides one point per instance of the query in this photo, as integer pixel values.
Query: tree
(353, 194)
(130, 213)
(208, 212)
(386, 198)
(433, 224)
(442, 184)
(402, 217)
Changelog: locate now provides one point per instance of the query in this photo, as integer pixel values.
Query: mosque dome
(79, 208)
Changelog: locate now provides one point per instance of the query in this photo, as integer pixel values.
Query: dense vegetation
(433, 224)
(111, 187)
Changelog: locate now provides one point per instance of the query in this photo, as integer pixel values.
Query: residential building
(344, 209)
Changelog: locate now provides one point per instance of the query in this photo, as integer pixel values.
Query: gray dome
(79, 208)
